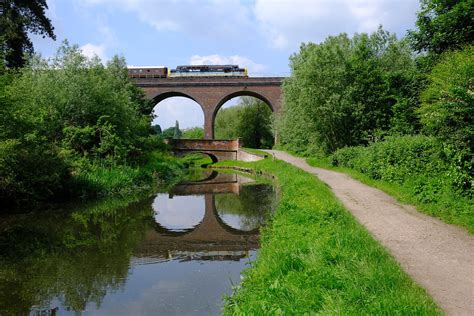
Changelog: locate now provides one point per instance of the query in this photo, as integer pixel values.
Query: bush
(426, 168)
(71, 117)
(30, 171)
(447, 109)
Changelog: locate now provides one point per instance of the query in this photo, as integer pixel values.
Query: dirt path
(438, 256)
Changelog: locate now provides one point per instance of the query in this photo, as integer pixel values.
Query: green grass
(103, 179)
(450, 208)
(316, 259)
(416, 169)
(255, 152)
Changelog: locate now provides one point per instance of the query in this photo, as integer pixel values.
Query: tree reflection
(251, 208)
(74, 257)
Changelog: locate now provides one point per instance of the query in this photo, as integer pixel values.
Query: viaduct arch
(212, 92)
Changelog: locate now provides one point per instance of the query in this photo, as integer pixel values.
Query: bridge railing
(204, 144)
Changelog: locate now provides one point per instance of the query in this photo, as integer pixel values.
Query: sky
(257, 34)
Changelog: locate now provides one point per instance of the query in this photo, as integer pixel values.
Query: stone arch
(242, 93)
(170, 94)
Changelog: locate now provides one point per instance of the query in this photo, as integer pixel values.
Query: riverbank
(316, 258)
(101, 179)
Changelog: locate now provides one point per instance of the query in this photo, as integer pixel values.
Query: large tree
(19, 19)
(347, 92)
(443, 25)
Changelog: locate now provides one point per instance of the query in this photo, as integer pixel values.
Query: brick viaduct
(212, 92)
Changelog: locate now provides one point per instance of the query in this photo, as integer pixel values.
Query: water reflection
(173, 254)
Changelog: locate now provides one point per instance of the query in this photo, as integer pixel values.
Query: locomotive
(187, 71)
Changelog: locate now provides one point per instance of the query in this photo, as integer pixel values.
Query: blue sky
(257, 34)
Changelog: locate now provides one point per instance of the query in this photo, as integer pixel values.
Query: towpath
(438, 256)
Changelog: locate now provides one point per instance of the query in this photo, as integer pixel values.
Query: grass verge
(446, 205)
(316, 259)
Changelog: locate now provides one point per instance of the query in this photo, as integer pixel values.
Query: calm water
(176, 253)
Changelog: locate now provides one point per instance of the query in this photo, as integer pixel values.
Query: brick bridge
(216, 149)
(212, 92)
(212, 239)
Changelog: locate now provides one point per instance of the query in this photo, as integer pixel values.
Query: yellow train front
(187, 71)
(208, 71)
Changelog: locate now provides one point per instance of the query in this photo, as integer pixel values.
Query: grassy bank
(415, 169)
(102, 179)
(315, 258)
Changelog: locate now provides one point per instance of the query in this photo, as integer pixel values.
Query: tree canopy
(19, 19)
(347, 91)
(443, 25)
(58, 116)
(251, 120)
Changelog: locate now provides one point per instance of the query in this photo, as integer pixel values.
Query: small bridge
(216, 149)
(216, 182)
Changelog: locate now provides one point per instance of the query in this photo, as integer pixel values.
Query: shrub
(428, 170)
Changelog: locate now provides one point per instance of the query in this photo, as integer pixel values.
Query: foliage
(227, 120)
(157, 129)
(346, 92)
(193, 133)
(315, 258)
(168, 132)
(443, 25)
(423, 168)
(20, 19)
(447, 110)
(59, 117)
(177, 131)
(250, 120)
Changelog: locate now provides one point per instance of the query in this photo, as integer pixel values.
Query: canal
(173, 253)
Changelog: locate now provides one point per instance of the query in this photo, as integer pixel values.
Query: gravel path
(438, 256)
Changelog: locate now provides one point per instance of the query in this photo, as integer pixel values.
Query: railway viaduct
(212, 92)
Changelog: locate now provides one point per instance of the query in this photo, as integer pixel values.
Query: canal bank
(316, 258)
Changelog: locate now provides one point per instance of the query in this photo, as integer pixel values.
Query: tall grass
(103, 179)
(316, 259)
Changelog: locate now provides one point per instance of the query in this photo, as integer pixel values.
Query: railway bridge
(212, 92)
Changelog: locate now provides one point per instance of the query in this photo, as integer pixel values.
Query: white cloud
(91, 50)
(212, 19)
(288, 23)
(253, 67)
(282, 23)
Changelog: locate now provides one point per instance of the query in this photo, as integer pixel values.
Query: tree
(193, 133)
(254, 124)
(251, 120)
(345, 91)
(447, 110)
(76, 112)
(227, 120)
(157, 129)
(19, 18)
(177, 131)
(443, 25)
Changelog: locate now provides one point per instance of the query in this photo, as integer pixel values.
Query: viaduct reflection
(212, 238)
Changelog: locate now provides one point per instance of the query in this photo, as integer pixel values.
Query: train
(187, 71)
